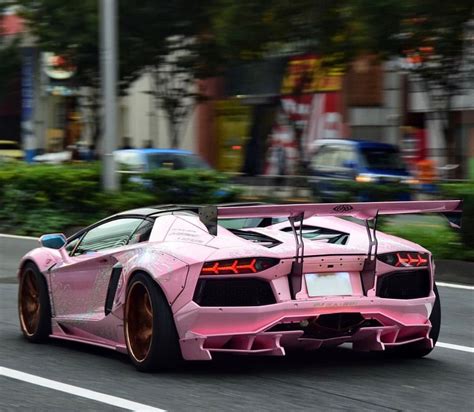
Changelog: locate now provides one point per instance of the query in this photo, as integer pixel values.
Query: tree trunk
(173, 131)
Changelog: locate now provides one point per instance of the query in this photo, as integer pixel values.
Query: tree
(187, 52)
(164, 38)
(430, 30)
(434, 38)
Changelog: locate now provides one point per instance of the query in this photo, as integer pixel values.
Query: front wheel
(414, 350)
(150, 332)
(34, 308)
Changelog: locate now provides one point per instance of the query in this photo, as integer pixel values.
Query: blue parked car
(138, 161)
(360, 161)
(146, 160)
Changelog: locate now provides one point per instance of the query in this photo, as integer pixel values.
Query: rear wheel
(34, 308)
(414, 350)
(150, 333)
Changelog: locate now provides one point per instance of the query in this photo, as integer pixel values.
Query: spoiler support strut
(297, 266)
(369, 270)
(368, 212)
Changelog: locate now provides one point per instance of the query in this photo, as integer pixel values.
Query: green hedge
(36, 199)
(435, 234)
(190, 186)
(350, 191)
(464, 191)
(431, 232)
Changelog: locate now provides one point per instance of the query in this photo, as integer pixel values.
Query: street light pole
(109, 71)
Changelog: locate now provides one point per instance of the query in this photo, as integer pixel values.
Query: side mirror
(53, 241)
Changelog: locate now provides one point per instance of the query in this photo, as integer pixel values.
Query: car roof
(153, 210)
(362, 144)
(153, 151)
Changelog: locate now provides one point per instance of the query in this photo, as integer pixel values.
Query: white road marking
(455, 347)
(455, 286)
(75, 390)
(19, 237)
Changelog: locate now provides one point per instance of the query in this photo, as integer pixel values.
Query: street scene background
(222, 101)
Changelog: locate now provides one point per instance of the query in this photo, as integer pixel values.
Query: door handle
(103, 260)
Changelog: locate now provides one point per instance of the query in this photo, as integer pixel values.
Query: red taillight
(237, 266)
(405, 259)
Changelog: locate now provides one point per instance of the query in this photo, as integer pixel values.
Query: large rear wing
(452, 209)
(296, 213)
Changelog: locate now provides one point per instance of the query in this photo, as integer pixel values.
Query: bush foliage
(36, 199)
(464, 191)
(351, 191)
(48, 198)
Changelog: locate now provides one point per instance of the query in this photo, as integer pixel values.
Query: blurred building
(240, 126)
(47, 110)
(254, 116)
(143, 121)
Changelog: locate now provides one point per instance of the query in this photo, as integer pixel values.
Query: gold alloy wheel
(138, 321)
(29, 303)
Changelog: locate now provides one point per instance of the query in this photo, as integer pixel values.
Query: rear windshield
(9, 146)
(382, 158)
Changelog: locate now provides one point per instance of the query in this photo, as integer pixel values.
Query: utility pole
(109, 73)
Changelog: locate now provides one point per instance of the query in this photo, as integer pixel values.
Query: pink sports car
(185, 282)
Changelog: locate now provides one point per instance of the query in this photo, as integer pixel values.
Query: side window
(345, 155)
(142, 234)
(161, 160)
(325, 157)
(129, 160)
(108, 235)
(72, 244)
(170, 162)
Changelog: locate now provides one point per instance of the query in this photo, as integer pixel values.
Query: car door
(79, 285)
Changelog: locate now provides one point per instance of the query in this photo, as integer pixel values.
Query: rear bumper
(252, 330)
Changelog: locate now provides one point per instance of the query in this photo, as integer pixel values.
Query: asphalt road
(337, 379)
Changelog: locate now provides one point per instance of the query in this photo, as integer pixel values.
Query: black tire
(34, 307)
(414, 350)
(162, 347)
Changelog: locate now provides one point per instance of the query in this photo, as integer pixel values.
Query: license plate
(328, 284)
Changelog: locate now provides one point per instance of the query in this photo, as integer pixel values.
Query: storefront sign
(311, 74)
(57, 67)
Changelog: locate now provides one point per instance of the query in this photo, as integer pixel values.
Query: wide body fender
(42, 257)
